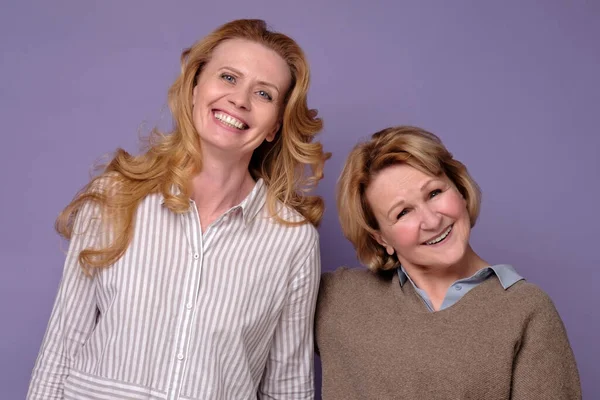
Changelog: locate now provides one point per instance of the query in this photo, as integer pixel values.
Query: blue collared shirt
(506, 275)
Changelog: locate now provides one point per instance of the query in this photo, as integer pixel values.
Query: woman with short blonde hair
(430, 319)
(400, 145)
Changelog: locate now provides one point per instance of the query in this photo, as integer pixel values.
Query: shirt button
(225, 218)
(196, 256)
(188, 306)
(180, 356)
(458, 287)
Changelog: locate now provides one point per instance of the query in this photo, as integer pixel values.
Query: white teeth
(229, 120)
(441, 237)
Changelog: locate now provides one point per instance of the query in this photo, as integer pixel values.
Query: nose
(240, 98)
(430, 219)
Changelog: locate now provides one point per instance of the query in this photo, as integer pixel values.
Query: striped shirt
(224, 314)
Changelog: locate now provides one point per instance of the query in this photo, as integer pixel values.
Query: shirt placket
(188, 309)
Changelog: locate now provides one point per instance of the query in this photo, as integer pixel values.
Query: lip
(215, 110)
(438, 235)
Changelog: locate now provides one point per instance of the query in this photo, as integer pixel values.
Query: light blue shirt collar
(506, 274)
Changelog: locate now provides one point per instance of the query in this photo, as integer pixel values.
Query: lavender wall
(512, 87)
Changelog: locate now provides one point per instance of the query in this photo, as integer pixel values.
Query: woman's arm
(289, 373)
(544, 367)
(73, 316)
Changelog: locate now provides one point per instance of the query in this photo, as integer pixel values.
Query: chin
(457, 258)
(448, 259)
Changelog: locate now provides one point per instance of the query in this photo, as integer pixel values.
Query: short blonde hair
(396, 145)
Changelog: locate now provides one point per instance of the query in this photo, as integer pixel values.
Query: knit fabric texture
(377, 340)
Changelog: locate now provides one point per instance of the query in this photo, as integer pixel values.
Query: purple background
(511, 87)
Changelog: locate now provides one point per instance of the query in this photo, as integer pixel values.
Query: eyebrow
(393, 207)
(429, 181)
(264, 83)
(401, 201)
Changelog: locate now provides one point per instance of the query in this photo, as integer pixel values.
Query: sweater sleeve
(72, 320)
(321, 305)
(544, 366)
(324, 314)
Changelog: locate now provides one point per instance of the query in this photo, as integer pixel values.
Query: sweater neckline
(418, 304)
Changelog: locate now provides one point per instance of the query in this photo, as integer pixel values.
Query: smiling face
(424, 219)
(239, 98)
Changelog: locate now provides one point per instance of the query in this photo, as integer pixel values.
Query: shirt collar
(175, 191)
(250, 206)
(506, 274)
(254, 202)
(402, 275)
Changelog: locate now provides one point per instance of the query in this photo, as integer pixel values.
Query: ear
(271, 136)
(381, 240)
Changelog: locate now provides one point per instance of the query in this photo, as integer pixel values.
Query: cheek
(455, 206)
(203, 99)
(404, 236)
(268, 118)
(207, 91)
(197, 99)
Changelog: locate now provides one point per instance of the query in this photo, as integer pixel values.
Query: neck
(436, 281)
(219, 186)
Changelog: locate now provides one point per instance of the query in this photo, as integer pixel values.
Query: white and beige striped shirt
(227, 314)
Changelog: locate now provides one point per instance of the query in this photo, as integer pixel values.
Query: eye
(229, 78)
(265, 95)
(402, 213)
(434, 193)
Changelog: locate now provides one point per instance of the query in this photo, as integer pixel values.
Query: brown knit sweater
(377, 340)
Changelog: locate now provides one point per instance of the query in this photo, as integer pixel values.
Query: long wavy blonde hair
(171, 160)
(408, 145)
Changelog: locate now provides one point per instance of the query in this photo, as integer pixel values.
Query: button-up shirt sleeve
(289, 371)
(72, 319)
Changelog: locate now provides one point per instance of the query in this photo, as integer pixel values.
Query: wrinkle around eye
(226, 76)
(401, 214)
(435, 193)
(265, 95)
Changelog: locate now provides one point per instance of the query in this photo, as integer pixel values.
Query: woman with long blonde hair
(193, 268)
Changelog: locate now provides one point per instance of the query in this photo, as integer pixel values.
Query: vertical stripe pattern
(227, 314)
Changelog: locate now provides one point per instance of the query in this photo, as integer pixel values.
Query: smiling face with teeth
(238, 99)
(422, 218)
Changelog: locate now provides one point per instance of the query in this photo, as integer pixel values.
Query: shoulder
(530, 293)
(349, 284)
(288, 213)
(347, 277)
(541, 325)
(91, 202)
(155, 201)
(345, 296)
(298, 229)
(529, 298)
(107, 183)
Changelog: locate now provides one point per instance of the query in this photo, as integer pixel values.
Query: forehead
(397, 181)
(399, 176)
(252, 59)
